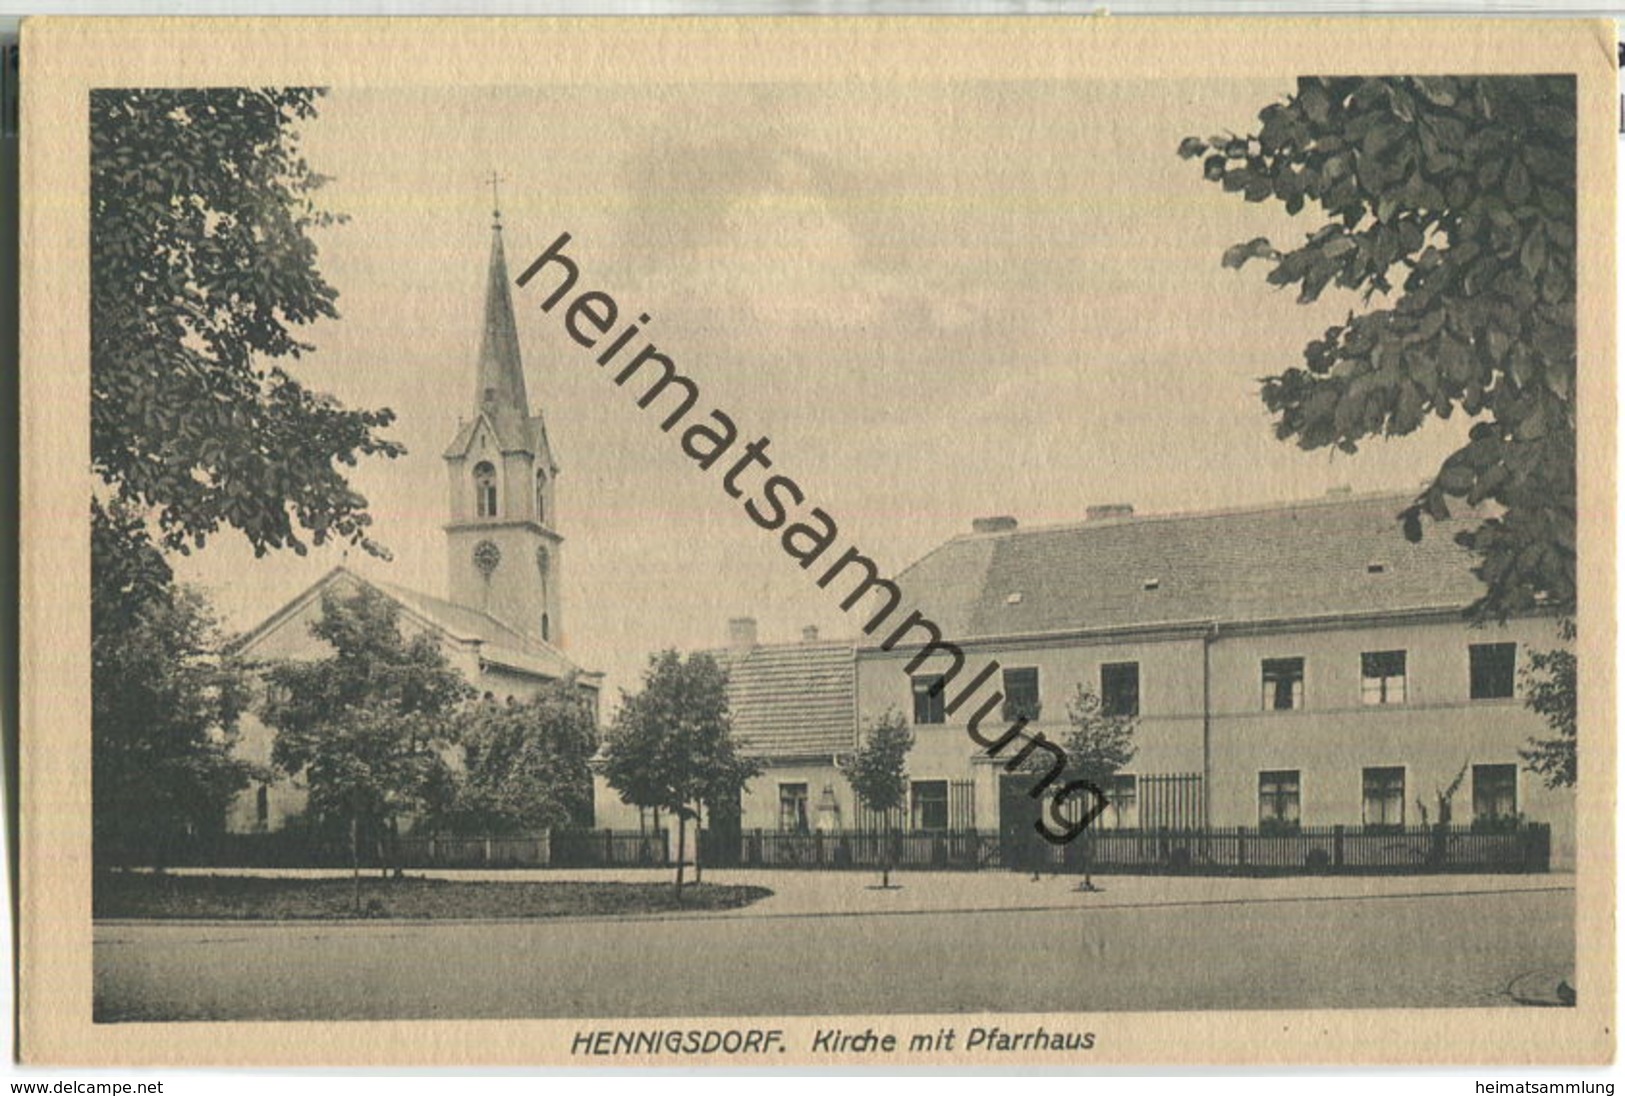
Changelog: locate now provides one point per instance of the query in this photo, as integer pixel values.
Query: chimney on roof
(1001, 524)
(809, 634)
(1107, 511)
(742, 633)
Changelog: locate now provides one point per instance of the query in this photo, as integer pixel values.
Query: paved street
(1138, 946)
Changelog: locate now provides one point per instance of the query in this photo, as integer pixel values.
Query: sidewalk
(848, 893)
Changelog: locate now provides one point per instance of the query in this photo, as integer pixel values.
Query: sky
(939, 300)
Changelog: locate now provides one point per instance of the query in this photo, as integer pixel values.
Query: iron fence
(926, 850)
(1243, 851)
(1345, 850)
(295, 849)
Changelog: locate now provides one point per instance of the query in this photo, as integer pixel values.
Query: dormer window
(485, 489)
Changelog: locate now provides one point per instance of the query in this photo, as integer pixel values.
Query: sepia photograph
(758, 562)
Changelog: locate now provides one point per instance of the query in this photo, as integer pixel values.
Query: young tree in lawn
(367, 727)
(671, 746)
(1099, 744)
(525, 763)
(164, 704)
(1464, 188)
(878, 774)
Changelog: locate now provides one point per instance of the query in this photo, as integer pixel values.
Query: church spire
(502, 542)
(500, 376)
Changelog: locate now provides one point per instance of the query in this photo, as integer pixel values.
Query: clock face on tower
(486, 557)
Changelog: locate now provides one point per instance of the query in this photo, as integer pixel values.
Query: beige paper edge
(66, 57)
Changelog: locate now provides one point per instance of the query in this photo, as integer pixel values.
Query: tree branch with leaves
(202, 269)
(1452, 202)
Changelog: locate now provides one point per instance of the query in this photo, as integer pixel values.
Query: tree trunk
(355, 862)
(682, 852)
(392, 861)
(699, 858)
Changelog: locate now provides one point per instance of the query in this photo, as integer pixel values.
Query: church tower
(502, 547)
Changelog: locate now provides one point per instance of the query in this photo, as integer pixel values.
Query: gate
(721, 841)
(1020, 846)
(1171, 802)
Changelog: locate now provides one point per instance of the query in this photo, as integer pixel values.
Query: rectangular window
(928, 805)
(929, 693)
(1278, 798)
(1021, 693)
(793, 808)
(1283, 684)
(1384, 796)
(1120, 688)
(1382, 677)
(1495, 792)
(1493, 667)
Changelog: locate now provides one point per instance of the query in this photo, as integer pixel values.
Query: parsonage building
(1287, 666)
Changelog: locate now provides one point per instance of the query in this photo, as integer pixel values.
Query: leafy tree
(878, 773)
(671, 747)
(1452, 198)
(1551, 684)
(164, 708)
(201, 268)
(369, 726)
(525, 764)
(1099, 744)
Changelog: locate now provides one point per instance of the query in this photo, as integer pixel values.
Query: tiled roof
(792, 699)
(1330, 556)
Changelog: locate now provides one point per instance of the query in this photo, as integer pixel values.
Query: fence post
(1337, 846)
(1241, 846)
(609, 845)
(487, 845)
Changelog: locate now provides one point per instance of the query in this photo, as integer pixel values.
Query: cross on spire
(496, 202)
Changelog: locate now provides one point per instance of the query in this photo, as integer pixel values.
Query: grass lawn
(249, 898)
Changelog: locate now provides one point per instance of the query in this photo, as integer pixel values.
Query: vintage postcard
(1033, 542)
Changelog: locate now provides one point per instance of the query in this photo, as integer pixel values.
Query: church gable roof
(1325, 557)
(502, 642)
(495, 641)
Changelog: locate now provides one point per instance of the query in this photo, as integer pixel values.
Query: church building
(502, 625)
